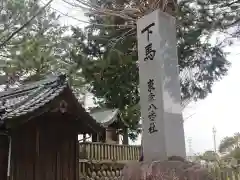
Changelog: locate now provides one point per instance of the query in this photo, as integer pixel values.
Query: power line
(190, 149)
(190, 146)
(190, 116)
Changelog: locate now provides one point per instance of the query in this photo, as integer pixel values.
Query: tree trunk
(125, 136)
(171, 7)
(95, 137)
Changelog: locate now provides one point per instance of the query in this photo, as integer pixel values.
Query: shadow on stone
(165, 170)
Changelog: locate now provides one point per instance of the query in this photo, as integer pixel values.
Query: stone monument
(163, 134)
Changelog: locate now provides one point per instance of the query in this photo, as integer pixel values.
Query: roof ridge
(59, 79)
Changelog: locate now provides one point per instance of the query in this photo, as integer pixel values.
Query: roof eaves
(35, 99)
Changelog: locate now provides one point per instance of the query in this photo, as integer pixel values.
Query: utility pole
(190, 148)
(190, 145)
(214, 139)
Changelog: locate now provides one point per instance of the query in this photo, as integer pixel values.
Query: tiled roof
(29, 97)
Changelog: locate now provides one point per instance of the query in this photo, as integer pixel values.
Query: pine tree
(112, 46)
(40, 49)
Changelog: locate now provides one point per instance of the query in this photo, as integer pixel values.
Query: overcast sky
(219, 109)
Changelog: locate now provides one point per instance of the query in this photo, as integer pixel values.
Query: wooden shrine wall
(44, 149)
(3, 156)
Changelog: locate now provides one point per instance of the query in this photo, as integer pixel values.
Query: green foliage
(230, 146)
(225, 14)
(30, 51)
(35, 50)
(112, 67)
(41, 48)
(210, 156)
(235, 153)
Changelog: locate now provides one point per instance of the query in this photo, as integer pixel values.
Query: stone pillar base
(165, 170)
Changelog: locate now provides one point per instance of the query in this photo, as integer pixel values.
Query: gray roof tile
(27, 98)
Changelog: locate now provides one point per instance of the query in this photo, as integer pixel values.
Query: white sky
(219, 109)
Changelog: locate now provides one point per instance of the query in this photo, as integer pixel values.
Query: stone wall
(100, 171)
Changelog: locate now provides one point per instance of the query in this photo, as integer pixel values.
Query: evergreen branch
(236, 22)
(25, 25)
(1, 7)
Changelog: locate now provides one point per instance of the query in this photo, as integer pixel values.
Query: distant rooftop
(106, 117)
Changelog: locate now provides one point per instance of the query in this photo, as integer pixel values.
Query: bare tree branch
(96, 24)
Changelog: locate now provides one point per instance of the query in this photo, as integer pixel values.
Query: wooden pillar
(77, 156)
(84, 137)
(3, 156)
(111, 135)
(102, 137)
(95, 137)
(125, 136)
(117, 138)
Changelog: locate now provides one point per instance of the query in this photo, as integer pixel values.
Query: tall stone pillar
(163, 134)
